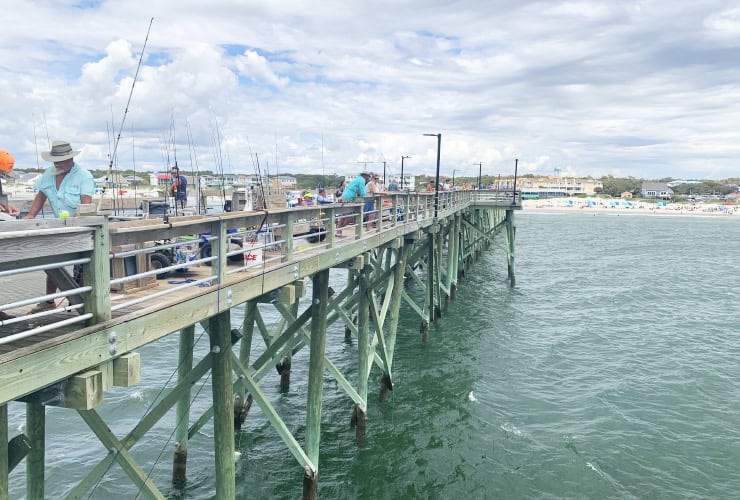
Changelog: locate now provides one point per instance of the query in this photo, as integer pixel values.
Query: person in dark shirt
(179, 187)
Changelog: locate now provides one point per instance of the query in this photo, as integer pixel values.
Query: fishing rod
(194, 158)
(125, 111)
(174, 183)
(133, 163)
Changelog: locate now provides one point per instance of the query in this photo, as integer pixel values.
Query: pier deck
(253, 258)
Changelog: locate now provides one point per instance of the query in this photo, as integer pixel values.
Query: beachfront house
(659, 190)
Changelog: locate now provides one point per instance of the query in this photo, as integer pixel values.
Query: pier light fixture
(436, 184)
(402, 158)
(480, 169)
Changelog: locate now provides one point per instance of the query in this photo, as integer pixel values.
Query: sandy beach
(604, 207)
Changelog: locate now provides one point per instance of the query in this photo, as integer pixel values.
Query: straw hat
(60, 151)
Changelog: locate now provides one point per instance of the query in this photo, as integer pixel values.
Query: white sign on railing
(253, 256)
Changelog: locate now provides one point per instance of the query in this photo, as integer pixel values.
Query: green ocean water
(610, 371)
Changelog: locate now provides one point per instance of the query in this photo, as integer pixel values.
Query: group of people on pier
(65, 185)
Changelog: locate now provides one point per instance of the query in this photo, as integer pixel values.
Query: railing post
(360, 227)
(97, 274)
(288, 237)
(331, 227)
(219, 249)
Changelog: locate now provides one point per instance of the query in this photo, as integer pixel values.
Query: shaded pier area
(113, 303)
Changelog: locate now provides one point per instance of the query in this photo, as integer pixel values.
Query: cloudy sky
(644, 88)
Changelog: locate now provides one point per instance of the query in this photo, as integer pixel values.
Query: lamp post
(402, 158)
(384, 173)
(480, 168)
(436, 184)
(453, 177)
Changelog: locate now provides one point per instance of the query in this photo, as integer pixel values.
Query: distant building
(626, 194)
(555, 186)
(659, 190)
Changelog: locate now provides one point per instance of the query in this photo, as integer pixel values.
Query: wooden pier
(69, 356)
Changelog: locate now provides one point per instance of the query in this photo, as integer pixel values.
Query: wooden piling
(219, 329)
(242, 402)
(36, 430)
(4, 455)
(363, 352)
(182, 419)
(316, 379)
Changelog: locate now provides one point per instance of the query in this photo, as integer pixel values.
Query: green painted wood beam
(219, 330)
(363, 336)
(121, 454)
(272, 416)
(319, 305)
(418, 310)
(4, 453)
(36, 431)
(182, 413)
(144, 425)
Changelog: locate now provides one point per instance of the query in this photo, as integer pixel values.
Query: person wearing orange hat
(7, 212)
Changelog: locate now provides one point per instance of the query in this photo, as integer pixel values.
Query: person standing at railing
(321, 198)
(354, 189)
(179, 187)
(65, 185)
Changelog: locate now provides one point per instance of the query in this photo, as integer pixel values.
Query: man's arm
(38, 203)
(85, 199)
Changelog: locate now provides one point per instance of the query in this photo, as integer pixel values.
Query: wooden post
(36, 430)
(363, 351)
(182, 422)
(330, 226)
(315, 380)
(431, 274)
(288, 237)
(438, 275)
(4, 452)
(455, 255)
(219, 330)
(510, 234)
(97, 275)
(242, 402)
(396, 296)
(285, 364)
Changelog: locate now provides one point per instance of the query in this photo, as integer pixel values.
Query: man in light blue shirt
(65, 185)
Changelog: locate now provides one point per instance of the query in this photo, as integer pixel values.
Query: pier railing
(182, 256)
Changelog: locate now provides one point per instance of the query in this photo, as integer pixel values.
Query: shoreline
(670, 210)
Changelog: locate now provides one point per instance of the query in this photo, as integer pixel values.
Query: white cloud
(637, 88)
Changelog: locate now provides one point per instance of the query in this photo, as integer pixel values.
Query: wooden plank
(127, 370)
(34, 246)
